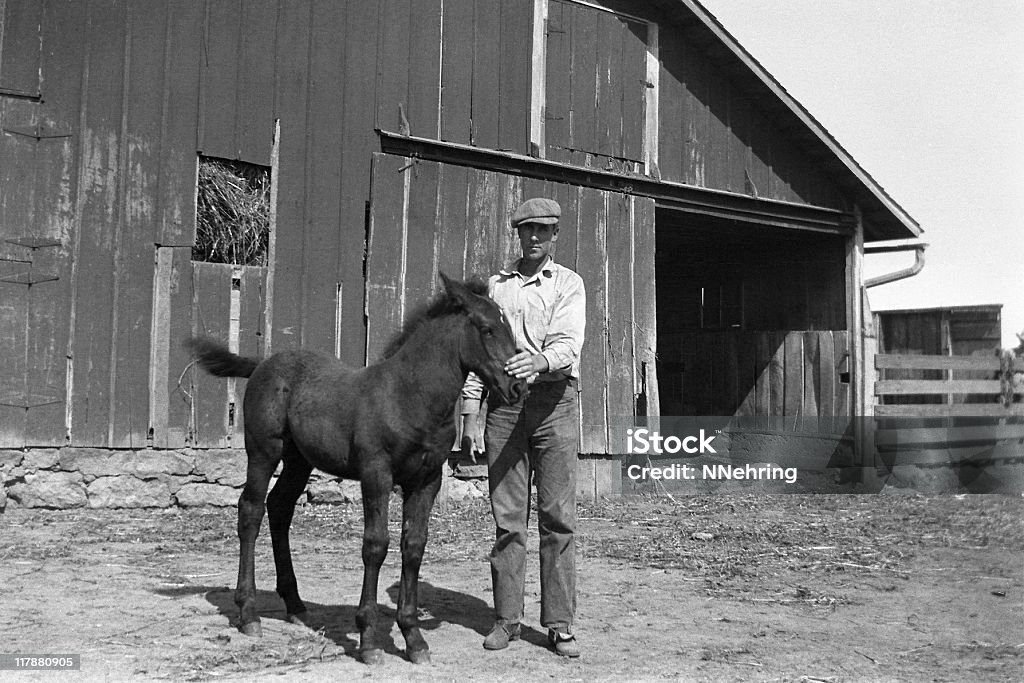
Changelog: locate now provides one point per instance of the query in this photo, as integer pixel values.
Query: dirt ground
(716, 587)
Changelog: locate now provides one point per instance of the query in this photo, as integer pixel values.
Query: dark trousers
(539, 437)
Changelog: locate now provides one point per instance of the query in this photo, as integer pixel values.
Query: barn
(720, 229)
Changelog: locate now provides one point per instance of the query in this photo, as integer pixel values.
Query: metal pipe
(917, 247)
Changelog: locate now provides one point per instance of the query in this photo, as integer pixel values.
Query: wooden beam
(712, 203)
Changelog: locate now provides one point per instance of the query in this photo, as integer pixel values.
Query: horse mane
(442, 304)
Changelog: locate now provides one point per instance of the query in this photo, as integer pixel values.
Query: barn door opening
(751, 321)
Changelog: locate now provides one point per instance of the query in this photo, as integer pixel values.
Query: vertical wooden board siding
(645, 309)
(292, 108)
(452, 222)
(634, 92)
(760, 153)
(161, 344)
(322, 236)
(558, 72)
(212, 312)
(421, 217)
(425, 67)
(13, 394)
(46, 374)
(486, 91)
(180, 116)
(482, 240)
(515, 68)
(133, 304)
(622, 385)
(510, 197)
(794, 378)
(255, 111)
(569, 226)
(738, 167)
(609, 86)
(20, 46)
(671, 101)
(718, 130)
(782, 171)
(17, 192)
(17, 208)
(393, 63)
(360, 142)
(592, 260)
(98, 220)
(842, 359)
(695, 114)
(690, 361)
(778, 374)
(457, 70)
(385, 265)
(811, 379)
(828, 375)
(252, 300)
(762, 378)
(748, 375)
(180, 373)
(583, 79)
(220, 81)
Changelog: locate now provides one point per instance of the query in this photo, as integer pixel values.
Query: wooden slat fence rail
(999, 395)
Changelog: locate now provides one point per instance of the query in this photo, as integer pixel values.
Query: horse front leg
(415, 517)
(376, 492)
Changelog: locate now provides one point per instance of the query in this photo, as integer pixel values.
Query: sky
(928, 97)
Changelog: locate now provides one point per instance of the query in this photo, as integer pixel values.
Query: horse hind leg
(251, 506)
(280, 510)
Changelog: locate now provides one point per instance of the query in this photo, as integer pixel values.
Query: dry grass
(232, 213)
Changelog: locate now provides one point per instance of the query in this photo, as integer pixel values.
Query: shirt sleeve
(564, 339)
(473, 389)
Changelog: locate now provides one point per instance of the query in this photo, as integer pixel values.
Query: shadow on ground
(337, 623)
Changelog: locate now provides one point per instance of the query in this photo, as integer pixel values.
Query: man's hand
(472, 437)
(524, 364)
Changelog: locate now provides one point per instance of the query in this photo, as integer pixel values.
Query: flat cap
(537, 210)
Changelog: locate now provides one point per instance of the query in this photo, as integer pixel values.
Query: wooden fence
(948, 410)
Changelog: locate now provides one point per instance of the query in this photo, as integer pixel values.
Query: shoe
(563, 643)
(501, 634)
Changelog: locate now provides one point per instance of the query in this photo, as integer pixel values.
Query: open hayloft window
(232, 213)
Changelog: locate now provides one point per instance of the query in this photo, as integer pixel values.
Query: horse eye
(487, 332)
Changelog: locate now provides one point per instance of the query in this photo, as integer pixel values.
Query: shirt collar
(512, 269)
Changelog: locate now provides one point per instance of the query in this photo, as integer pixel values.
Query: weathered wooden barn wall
(105, 106)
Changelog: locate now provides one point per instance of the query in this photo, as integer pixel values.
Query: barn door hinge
(25, 276)
(34, 242)
(38, 131)
(16, 94)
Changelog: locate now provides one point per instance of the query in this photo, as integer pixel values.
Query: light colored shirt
(547, 313)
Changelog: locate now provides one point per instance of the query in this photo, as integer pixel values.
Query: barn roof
(884, 218)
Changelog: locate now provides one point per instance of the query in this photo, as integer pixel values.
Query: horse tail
(216, 359)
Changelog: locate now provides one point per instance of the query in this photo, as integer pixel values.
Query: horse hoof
(374, 656)
(253, 628)
(419, 656)
(302, 619)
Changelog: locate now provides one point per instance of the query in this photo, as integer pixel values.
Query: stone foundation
(61, 478)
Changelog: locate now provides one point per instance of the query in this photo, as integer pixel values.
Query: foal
(386, 424)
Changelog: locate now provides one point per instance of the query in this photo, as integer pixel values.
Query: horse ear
(454, 289)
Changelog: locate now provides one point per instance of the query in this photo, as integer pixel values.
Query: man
(545, 304)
